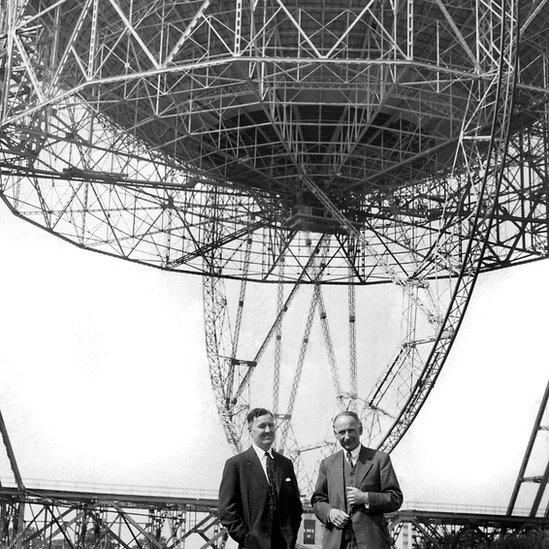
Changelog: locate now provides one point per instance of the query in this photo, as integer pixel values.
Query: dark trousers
(277, 539)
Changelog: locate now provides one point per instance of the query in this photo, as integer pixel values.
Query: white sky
(104, 377)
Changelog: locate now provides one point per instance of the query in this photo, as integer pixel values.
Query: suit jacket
(245, 507)
(374, 474)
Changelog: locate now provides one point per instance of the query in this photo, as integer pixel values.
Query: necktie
(272, 479)
(350, 459)
(270, 469)
(351, 468)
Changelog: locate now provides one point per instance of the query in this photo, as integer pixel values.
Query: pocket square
(288, 480)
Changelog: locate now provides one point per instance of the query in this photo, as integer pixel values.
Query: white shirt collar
(261, 453)
(354, 453)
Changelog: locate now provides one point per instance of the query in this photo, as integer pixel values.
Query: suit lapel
(255, 468)
(363, 466)
(337, 472)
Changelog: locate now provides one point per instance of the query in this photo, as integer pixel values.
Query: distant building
(404, 540)
(311, 532)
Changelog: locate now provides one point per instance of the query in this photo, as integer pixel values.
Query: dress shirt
(354, 455)
(354, 458)
(263, 458)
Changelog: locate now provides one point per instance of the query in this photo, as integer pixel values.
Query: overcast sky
(104, 377)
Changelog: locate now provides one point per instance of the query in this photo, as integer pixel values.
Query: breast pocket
(288, 496)
(286, 484)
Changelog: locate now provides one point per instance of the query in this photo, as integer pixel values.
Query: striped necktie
(349, 457)
(270, 469)
(350, 460)
(272, 479)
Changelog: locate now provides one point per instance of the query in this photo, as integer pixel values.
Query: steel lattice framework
(64, 519)
(292, 142)
(119, 119)
(456, 530)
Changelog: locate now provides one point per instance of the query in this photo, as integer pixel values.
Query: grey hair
(348, 413)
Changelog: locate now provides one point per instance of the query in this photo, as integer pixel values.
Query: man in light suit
(258, 498)
(355, 487)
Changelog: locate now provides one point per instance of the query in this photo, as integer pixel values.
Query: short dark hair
(349, 413)
(257, 412)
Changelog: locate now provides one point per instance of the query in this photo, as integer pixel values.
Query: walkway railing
(201, 493)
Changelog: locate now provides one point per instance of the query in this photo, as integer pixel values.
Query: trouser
(277, 539)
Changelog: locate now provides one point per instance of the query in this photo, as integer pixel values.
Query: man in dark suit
(258, 498)
(355, 487)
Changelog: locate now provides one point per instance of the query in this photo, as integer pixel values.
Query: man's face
(262, 431)
(347, 431)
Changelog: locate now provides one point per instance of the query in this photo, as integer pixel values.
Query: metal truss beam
(431, 529)
(55, 519)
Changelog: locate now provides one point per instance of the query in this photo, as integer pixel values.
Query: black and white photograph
(272, 274)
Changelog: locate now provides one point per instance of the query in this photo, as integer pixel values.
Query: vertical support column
(8, 17)
(410, 29)
(437, 39)
(278, 338)
(93, 41)
(237, 27)
(56, 38)
(545, 141)
(352, 342)
(477, 32)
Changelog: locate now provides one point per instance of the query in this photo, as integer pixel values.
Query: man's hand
(338, 517)
(356, 496)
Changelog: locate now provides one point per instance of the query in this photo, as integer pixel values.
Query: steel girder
(71, 520)
(431, 529)
(56, 519)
